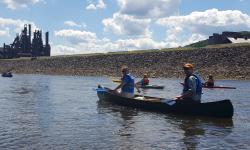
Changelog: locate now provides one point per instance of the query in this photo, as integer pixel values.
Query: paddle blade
(100, 90)
(169, 101)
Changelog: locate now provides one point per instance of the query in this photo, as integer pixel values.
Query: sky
(100, 26)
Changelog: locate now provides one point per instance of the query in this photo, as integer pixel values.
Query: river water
(63, 112)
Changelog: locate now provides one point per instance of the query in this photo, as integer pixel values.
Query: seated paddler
(192, 88)
(210, 81)
(127, 84)
(144, 81)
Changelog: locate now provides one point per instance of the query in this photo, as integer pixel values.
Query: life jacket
(198, 84)
(145, 81)
(129, 85)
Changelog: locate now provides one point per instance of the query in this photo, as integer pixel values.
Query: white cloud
(15, 4)
(209, 21)
(63, 50)
(140, 43)
(72, 24)
(91, 7)
(127, 25)
(135, 16)
(182, 30)
(81, 42)
(106, 45)
(76, 36)
(99, 5)
(149, 8)
(10, 26)
(4, 33)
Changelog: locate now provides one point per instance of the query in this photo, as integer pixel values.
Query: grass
(194, 46)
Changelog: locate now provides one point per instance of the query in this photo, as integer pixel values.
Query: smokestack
(29, 33)
(47, 38)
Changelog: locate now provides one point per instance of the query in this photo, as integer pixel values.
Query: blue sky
(97, 26)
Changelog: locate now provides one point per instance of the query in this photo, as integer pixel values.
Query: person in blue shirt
(192, 89)
(128, 84)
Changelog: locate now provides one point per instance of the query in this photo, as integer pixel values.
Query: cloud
(15, 4)
(10, 26)
(198, 26)
(135, 16)
(106, 45)
(127, 25)
(76, 36)
(99, 5)
(63, 50)
(72, 24)
(4, 33)
(149, 8)
(209, 21)
(81, 42)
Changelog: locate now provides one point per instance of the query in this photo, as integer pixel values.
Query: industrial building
(24, 46)
(229, 37)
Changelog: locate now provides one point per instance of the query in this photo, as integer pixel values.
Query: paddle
(169, 101)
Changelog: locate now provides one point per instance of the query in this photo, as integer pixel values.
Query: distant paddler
(127, 84)
(7, 73)
(210, 81)
(144, 81)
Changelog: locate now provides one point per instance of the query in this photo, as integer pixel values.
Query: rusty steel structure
(24, 46)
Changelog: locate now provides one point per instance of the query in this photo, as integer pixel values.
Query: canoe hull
(152, 87)
(223, 108)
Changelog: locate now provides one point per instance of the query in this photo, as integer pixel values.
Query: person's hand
(113, 91)
(178, 97)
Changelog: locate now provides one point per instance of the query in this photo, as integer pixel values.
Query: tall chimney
(47, 38)
(29, 33)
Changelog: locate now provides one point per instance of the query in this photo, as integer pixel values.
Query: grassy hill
(198, 44)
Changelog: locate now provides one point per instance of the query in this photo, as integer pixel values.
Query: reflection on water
(193, 128)
(63, 112)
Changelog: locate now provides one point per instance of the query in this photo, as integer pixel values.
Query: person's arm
(184, 95)
(138, 90)
(191, 90)
(119, 86)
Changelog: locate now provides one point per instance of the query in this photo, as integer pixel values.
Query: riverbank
(225, 62)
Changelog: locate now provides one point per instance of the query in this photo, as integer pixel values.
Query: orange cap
(188, 65)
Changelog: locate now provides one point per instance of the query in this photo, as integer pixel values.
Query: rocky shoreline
(229, 62)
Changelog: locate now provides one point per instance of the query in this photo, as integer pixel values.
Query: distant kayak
(216, 87)
(117, 80)
(7, 74)
(219, 87)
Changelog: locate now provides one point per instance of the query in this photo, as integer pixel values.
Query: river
(63, 112)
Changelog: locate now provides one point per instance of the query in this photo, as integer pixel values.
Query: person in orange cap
(192, 88)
